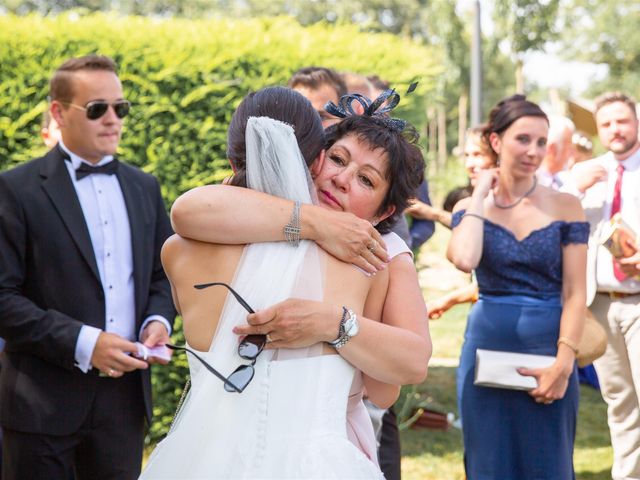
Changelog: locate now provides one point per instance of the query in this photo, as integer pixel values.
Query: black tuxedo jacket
(50, 287)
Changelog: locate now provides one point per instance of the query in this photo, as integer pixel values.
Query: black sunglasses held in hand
(249, 349)
(98, 108)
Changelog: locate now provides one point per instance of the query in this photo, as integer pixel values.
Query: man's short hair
(378, 83)
(613, 97)
(316, 77)
(357, 83)
(61, 84)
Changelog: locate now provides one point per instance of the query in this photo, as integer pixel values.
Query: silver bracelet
(292, 229)
(345, 313)
(473, 215)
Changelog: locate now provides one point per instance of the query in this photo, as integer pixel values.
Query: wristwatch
(349, 328)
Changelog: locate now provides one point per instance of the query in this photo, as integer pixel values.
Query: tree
(608, 34)
(526, 25)
(402, 17)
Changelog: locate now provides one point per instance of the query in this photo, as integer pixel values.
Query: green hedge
(185, 78)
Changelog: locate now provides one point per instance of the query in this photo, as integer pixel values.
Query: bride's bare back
(189, 262)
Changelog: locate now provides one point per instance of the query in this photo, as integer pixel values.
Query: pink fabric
(359, 427)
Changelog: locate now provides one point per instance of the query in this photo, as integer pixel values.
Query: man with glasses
(80, 282)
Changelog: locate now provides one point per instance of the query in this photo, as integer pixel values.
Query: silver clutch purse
(498, 369)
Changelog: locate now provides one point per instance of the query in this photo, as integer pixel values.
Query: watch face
(351, 326)
(355, 328)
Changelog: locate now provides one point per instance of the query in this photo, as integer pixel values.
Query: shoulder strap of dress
(395, 245)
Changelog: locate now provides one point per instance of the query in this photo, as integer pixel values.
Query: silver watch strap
(343, 334)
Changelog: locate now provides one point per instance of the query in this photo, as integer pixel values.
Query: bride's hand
(294, 323)
(349, 238)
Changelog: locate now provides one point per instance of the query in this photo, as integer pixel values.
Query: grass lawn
(437, 455)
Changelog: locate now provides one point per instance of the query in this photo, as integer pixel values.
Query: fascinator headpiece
(379, 108)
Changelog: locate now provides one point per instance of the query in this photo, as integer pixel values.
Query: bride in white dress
(290, 420)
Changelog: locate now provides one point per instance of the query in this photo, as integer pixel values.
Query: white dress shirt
(605, 278)
(105, 214)
(548, 179)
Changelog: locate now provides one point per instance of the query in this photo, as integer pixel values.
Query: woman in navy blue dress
(527, 244)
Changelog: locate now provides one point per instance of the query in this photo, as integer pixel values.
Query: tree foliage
(185, 77)
(606, 33)
(437, 23)
(526, 24)
(404, 17)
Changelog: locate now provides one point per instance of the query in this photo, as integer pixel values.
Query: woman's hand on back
(348, 238)
(294, 323)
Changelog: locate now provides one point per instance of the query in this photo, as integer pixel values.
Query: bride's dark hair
(281, 104)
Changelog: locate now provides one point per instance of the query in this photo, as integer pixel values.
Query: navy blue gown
(507, 435)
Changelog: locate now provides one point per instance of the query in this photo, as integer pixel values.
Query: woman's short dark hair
(281, 104)
(405, 163)
(508, 111)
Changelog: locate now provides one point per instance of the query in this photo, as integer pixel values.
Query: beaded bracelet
(568, 343)
(341, 331)
(292, 229)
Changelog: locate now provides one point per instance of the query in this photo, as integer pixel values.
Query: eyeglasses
(249, 348)
(98, 108)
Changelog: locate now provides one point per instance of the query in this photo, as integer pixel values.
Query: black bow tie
(108, 168)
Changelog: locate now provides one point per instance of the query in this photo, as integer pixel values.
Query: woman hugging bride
(279, 410)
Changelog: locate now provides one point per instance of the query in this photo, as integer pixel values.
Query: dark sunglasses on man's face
(249, 349)
(98, 108)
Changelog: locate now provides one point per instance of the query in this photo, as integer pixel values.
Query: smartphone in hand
(159, 352)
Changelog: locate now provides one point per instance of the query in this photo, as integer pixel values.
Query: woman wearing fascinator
(274, 398)
(527, 245)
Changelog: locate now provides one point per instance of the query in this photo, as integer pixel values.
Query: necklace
(526, 194)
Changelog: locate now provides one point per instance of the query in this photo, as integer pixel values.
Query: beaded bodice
(529, 266)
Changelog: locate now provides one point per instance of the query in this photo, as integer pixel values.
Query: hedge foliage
(185, 78)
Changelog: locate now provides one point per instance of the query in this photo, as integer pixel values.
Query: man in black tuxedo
(80, 282)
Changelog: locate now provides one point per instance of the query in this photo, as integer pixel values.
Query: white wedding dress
(290, 422)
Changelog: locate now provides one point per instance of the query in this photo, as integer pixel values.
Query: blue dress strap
(457, 218)
(574, 232)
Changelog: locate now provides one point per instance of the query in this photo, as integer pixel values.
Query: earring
(375, 223)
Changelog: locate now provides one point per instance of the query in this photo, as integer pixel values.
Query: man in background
(609, 185)
(553, 169)
(80, 282)
(320, 86)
